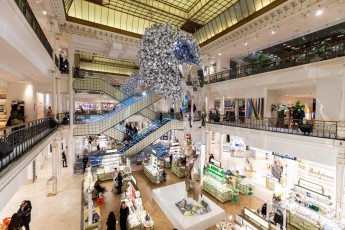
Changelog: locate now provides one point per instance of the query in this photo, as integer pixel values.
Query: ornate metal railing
(30, 17)
(296, 59)
(313, 128)
(17, 139)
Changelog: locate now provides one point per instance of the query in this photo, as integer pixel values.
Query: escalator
(106, 85)
(150, 135)
(127, 108)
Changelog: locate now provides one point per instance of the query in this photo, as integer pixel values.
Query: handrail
(25, 8)
(296, 59)
(314, 128)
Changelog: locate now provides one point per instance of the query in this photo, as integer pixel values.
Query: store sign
(284, 156)
(256, 218)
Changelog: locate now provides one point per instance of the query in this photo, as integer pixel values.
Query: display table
(179, 171)
(96, 225)
(153, 174)
(222, 192)
(104, 175)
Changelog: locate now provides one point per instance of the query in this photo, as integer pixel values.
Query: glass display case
(107, 167)
(214, 183)
(152, 171)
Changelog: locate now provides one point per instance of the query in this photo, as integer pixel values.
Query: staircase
(106, 85)
(150, 135)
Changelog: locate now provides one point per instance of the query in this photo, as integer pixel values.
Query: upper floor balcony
(322, 45)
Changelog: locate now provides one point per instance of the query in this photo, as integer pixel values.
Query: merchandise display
(138, 217)
(107, 166)
(179, 165)
(152, 171)
(96, 219)
(214, 184)
(189, 209)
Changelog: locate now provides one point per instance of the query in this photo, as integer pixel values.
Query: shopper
(15, 223)
(119, 184)
(210, 158)
(85, 161)
(16, 116)
(124, 213)
(111, 222)
(160, 117)
(24, 213)
(64, 159)
(115, 174)
(49, 111)
(100, 189)
(190, 120)
(164, 174)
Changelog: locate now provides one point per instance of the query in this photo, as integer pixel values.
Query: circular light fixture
(219, 54)
(246, 43)
(319, 12)
(44, 12)
(273, 32)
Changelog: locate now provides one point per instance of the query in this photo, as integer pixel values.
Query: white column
(341, 124)
(207, 102)
(55, 157)
(71, 146)
(339, 193)
(221, 143)
(221, 110)
(58, 95)
(191, 109)
(208, 142)
(54, 99)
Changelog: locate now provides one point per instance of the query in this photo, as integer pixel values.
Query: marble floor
(59, 212)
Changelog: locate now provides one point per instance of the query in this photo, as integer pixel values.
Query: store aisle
(145, 186)
(58, 212)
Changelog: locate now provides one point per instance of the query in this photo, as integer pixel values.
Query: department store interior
(176, 114)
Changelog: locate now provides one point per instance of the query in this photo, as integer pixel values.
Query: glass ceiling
(205, 18)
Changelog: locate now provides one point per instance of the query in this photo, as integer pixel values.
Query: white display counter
(167, 196)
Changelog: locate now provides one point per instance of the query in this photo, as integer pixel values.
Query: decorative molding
(104, 35)
(59, 9)
(290, 8)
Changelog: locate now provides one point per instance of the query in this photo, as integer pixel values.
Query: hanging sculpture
(162, 48)
(133, 85)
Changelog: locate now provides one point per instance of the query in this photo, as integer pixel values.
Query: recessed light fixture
(319, 12)
(273, 32)
(59, 49)
(212, 57)
(245, 43)
(219, 54)
(44, 12)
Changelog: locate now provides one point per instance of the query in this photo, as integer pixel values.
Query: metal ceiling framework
(204, 18)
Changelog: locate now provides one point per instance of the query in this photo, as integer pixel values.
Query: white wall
(25, 92)
(328, 99)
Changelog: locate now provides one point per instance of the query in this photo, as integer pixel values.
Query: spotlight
(219, 54)
(246, 43)
(273, 32)
(319, 11)
(44, 12)
(144, 93)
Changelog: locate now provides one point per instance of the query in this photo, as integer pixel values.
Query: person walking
(111, 221)
(190, 120)
(64, 159)
(124, 213)
(15, 222)
(160, 117)
(49, 111)
(119, 184)
(24, 213)
(85, 161)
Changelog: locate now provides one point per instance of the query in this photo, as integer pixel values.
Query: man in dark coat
(24, 213)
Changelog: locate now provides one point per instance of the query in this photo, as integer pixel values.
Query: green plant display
(296, 110)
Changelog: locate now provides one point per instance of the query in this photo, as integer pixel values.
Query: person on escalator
(160, 117)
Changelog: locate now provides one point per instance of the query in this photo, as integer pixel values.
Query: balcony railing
(17, 139)
(304, 56)
(30, 17)
(313, 128)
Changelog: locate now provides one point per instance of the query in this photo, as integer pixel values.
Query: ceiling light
(44, 12)
(319, 12)
(212, 57)
(245, 43)
(273, 32)
(59, 49)
(219, 54)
